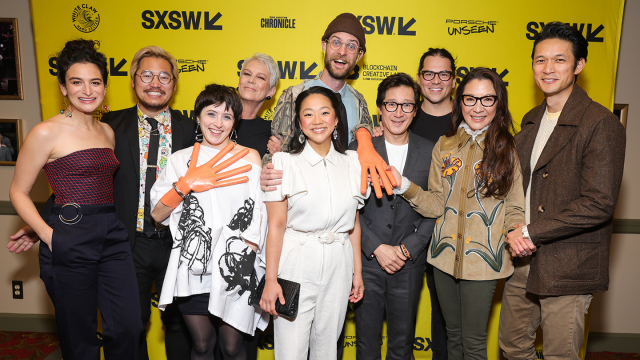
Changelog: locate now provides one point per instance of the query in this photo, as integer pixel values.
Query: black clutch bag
(291, 292)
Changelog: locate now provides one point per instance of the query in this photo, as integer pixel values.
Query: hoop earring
(67, 112)
(233, 136)
(199, 136)
(335, 133)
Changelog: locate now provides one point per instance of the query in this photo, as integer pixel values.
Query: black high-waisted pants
(91, 267)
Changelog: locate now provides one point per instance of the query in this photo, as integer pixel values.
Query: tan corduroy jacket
(468, 240)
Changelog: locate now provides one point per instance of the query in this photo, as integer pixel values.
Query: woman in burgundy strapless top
(85, 261)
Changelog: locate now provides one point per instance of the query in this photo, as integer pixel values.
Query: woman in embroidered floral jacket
(475, 191)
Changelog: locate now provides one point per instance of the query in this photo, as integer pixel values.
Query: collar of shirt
(314, 158)
(161, 118)
(317, 82)
(464, 135)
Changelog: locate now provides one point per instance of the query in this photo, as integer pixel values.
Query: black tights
(203, 330)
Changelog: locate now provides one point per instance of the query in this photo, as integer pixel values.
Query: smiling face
(553, 67)
(317, 119)
(216, 124)
(478, 116)
(153, 97)
(397, 122)
(254, 82)
(84, 87)
(435, 90)
(339, 63)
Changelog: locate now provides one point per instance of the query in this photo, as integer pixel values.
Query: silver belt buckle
(76, 219)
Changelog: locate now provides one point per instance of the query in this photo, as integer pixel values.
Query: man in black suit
(393, 234)
(146, 135)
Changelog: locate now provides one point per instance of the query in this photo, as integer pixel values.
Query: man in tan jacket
(571, 150)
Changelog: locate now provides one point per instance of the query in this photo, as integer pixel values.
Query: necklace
(84, 127)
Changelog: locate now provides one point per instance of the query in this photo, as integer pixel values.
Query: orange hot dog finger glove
(207, 176)
(372, 162)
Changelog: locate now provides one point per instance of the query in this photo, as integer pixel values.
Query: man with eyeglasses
(146, 135)
(343, 45)
(437, 79)
(393, 234)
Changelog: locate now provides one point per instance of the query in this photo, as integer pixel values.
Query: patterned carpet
(18, 345)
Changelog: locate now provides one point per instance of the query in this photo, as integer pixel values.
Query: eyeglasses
(486, 101)
(336, 44)
(393, 106)
(147, 76)
(429, 75)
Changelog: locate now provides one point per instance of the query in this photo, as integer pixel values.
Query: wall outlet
(17, 289)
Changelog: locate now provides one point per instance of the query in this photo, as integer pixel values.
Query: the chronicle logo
(466, 27)
(85, 18)
(188, 65)
(278, 22)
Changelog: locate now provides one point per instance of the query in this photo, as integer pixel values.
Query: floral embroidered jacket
(468, 240)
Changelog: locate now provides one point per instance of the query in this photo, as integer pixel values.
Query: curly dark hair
(214, 94)
(499, 159)
(296, 145)
(84, 52)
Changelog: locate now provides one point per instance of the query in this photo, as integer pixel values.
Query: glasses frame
(386, 103)
(439, 73)
(153, 76)
(494, 97)
(329, 43)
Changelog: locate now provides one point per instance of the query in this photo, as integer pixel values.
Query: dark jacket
(126, 181)
(574, 191)
(391, 220)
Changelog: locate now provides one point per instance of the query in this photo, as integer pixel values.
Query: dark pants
(438, 326)
(150, 257)
(91, 267)
(396, 294)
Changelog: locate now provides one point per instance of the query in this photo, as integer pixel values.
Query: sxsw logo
(114, 69)
(293, 69)
(591, 34)
(462, 71)
(421, 344)
(386, 25)
(174, 20)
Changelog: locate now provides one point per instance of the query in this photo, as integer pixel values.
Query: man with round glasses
(393, 234)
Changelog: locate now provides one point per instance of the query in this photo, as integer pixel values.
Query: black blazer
(391, 220)
(126, 181)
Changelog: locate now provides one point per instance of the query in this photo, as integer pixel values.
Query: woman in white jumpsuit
(314, 231)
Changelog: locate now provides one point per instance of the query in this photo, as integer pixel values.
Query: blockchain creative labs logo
(85, 18)
(467, 27)
(277, 22)
(189, 65)
(378, 72)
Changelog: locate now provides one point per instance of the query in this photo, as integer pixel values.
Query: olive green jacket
(282, 123)
(468, 240)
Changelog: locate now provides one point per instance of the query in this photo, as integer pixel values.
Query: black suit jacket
(126, 181)
(391, 220)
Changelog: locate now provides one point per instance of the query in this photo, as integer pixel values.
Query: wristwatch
(525, 232)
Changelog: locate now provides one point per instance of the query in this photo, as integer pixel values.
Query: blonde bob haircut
(157, 52)
(272, 67)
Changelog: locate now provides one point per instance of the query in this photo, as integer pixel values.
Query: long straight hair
(499, 159)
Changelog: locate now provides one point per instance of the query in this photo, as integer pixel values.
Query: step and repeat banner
(210, 40)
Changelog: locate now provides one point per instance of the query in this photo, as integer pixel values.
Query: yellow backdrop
(210, 39)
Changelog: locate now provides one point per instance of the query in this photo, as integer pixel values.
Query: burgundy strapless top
(84, 177)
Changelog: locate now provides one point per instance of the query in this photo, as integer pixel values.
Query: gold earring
(67, 111)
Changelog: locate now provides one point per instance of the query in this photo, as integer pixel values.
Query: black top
(254, 134)
(430, 127)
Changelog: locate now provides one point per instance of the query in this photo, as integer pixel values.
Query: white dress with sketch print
(209, 253)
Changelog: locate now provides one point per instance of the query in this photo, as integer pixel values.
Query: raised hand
(372, 162)
(207, 176)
